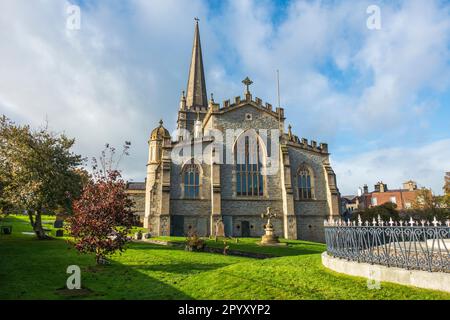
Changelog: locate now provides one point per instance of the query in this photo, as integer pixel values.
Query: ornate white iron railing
(420, 245)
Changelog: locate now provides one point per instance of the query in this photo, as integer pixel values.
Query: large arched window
(191, 181)
(305, 183)
(249, 180)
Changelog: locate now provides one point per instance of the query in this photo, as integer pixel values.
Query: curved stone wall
(417, 278)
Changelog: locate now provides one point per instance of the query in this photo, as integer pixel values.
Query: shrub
(385, 211)
(194, 242)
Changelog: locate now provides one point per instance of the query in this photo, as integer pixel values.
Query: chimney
(366, 189)
(381, 187)
(410, 185)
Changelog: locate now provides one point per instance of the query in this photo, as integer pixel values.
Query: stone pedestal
(269, 237)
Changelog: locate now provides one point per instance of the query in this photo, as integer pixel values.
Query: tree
(447, 183)
(447, 190)
(38, 171)
(385, 211)
(427, 206)
(103, 214)
(5, 206)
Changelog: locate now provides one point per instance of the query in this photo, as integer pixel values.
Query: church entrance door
(245, 225)
(177, 226)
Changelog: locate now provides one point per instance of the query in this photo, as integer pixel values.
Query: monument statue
(269, 215)
(269, 239)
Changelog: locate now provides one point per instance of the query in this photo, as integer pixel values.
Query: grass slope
(31, 269)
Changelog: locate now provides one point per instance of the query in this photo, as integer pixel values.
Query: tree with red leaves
(103, 214)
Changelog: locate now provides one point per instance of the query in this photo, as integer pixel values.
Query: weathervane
(197, 19)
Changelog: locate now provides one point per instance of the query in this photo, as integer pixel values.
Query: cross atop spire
(196, 88)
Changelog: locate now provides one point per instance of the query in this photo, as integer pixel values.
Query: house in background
(350, 203)
(404, 198)
(136, 192)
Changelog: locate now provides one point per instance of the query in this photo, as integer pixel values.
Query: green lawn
(293, 247)
(32, 269)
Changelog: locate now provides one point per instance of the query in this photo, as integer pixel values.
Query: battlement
(248, 98)
(200, 109)
(305, 144)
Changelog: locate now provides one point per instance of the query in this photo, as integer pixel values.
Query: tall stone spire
(196, 88)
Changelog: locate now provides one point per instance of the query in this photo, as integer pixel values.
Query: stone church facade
(230, 162)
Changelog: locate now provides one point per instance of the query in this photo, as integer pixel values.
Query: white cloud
(388, 68)
(409, 54)
(124, 70)
(425, 164)
(110, 81)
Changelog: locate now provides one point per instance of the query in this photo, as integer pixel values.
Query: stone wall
(176, 178)
(314, 161)
(417, 278)
(251, 210)
(198, 224)
(138, 197)
(310, 213)
(310, 228)
(188, 207)
(256, 225)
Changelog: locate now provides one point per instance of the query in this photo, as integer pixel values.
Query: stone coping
(417, 278)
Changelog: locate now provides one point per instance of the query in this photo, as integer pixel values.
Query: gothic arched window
(249, 180)
(305, 183)
(191, 181)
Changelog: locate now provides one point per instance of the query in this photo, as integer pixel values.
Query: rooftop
(136, 186)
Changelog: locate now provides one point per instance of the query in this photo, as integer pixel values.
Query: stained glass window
(191, 179)
(249, 180)
(304, 183)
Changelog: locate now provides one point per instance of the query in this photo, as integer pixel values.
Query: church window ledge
(251, 198)
(192, 199)
(306, 200)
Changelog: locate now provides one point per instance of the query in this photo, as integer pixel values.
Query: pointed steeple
(196, 88)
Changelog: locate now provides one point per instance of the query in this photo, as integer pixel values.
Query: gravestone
(58, 224)
(6, 229)
(220, 228)
(147, 235)
(138, 235)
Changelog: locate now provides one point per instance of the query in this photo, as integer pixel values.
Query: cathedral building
(229, 162)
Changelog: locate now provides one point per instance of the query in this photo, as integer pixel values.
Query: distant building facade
(136, 192)
(350, 203)
(404, 198)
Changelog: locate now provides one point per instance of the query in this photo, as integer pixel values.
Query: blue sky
(379, 98)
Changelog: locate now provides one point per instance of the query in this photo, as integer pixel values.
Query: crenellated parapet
(238, 101)
(303, 143)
